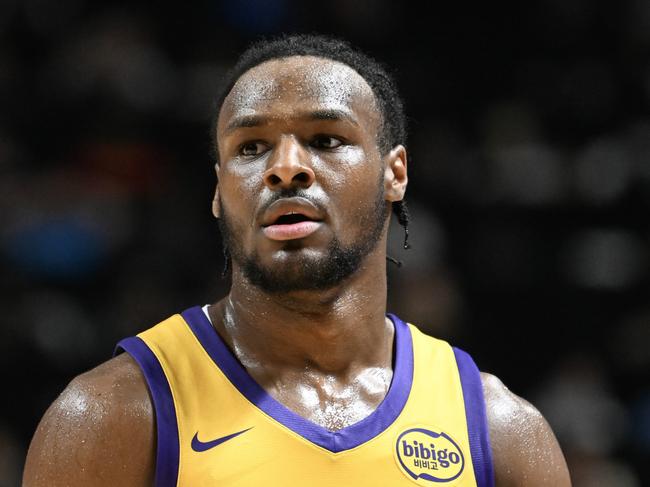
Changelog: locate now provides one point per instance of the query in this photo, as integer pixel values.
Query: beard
(310, 272)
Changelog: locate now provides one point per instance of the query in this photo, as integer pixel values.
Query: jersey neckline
(334, 441)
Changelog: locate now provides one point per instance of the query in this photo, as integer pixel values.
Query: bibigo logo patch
(427, 456)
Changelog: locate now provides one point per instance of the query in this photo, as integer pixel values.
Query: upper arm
(525, 451)
(98, 432)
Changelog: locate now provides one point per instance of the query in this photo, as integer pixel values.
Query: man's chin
(302, 270)
(286, 284)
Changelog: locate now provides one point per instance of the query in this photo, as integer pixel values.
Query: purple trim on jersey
(167, 438)
(334, 441)
(477, 428)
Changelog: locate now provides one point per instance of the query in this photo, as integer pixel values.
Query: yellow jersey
(217, 427)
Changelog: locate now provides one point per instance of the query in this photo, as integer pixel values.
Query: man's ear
(216, 202)
(395, 174)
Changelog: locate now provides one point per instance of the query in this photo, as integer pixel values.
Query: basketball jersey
(216, 426)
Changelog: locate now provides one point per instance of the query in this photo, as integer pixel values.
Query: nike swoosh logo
(199, 446)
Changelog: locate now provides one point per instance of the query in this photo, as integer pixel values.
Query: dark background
(529, 187)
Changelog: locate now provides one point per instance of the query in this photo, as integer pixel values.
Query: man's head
(307, 165)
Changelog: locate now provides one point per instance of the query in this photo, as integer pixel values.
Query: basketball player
(297, 377)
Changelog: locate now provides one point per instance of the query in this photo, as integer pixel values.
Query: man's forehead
(306, 79)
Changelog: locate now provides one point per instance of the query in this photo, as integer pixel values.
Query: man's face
(301, 180)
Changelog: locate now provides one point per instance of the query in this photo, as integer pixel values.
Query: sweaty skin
(307, 123)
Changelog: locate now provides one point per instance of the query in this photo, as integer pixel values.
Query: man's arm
(524, 449)
(99, 432)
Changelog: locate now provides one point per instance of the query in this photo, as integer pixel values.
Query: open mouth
(291, 226)
(291, 219)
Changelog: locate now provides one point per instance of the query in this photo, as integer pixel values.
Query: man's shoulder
(116, 385)
(501, 400)
(524, 448)
(101, 426)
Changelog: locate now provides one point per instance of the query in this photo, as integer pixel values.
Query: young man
(298, 376)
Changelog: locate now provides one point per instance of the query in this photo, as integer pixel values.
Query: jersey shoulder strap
(167, 439)
(476, 416)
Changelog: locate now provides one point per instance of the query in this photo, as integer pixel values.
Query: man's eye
(326, 142)
(252, 148)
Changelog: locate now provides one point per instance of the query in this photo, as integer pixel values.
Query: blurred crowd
(529, 192)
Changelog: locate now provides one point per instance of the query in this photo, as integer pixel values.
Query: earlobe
(395, 174)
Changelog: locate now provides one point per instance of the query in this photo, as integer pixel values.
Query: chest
(218, 426)
(332, 402)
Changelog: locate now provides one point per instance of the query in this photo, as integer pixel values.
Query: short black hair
(393, 119)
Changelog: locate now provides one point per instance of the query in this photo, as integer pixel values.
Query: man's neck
(329, 331)
(325, 355)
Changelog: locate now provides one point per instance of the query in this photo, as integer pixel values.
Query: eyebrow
(334, 115)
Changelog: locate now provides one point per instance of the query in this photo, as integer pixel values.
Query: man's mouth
(291, 226)
(292, 218)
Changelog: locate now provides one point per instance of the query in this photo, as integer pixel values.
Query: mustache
(292, 193)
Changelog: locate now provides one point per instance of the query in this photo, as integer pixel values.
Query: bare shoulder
(99, 431)
(524, 449)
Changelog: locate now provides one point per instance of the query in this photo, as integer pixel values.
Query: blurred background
(529, 189)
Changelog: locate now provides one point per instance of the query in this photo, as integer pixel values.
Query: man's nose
(289, 166)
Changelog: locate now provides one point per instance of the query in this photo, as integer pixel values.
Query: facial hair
(311, 273)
